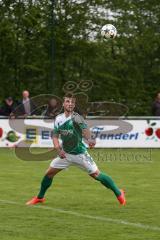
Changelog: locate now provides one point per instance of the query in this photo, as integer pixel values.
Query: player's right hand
(62, 154)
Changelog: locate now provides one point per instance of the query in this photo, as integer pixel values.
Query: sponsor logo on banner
(1, 132)
(36, 136)
(9, 138)
(12, 136)
(45, 138)
(152, 132)
(45, 135)
(100, 132)
(31, 135)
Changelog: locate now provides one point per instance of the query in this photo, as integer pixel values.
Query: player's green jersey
(70, 131)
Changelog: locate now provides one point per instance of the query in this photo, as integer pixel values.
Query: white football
(108, 31)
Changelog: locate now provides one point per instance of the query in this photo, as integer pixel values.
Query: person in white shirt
(26, 102)
(26, 106)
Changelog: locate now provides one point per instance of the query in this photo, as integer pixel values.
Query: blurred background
(44, 44)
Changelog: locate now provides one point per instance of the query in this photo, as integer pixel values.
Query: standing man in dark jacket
(8, 107)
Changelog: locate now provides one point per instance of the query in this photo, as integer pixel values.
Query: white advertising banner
(26, 133)
(108, 133)
(126, 133)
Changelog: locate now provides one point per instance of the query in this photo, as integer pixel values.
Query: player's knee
(51, 172)
(95, 174)
(50, 175)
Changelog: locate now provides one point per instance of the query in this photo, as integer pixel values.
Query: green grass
(74, 197)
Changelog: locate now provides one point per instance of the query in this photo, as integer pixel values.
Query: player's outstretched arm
(79, 120)
(88, 137)
(57, 146)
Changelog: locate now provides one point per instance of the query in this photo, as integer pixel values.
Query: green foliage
(46, 43)
(77, 206)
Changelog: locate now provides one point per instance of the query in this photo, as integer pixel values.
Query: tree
(124, 70)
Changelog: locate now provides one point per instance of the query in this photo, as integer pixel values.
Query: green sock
(45, 184)
(109, 183)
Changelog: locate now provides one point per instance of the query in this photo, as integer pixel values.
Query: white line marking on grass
(104, 219)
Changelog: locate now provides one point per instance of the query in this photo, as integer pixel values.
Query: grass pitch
(78, 207)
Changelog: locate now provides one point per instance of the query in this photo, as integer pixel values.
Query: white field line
(99, 218)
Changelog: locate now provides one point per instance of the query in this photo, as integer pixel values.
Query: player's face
(69, 104)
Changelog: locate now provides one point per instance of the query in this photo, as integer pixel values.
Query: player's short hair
(69, 95)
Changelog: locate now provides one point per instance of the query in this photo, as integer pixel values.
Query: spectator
(53, 108)
(156, 105)
(8, 107)
(26, 107)
(1, 111)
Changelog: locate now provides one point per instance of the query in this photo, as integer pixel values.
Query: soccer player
(70, 126)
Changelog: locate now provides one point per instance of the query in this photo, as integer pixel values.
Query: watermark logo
(53, 105)
(123, 155)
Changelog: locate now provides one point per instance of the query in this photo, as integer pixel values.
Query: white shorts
(83, 161)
